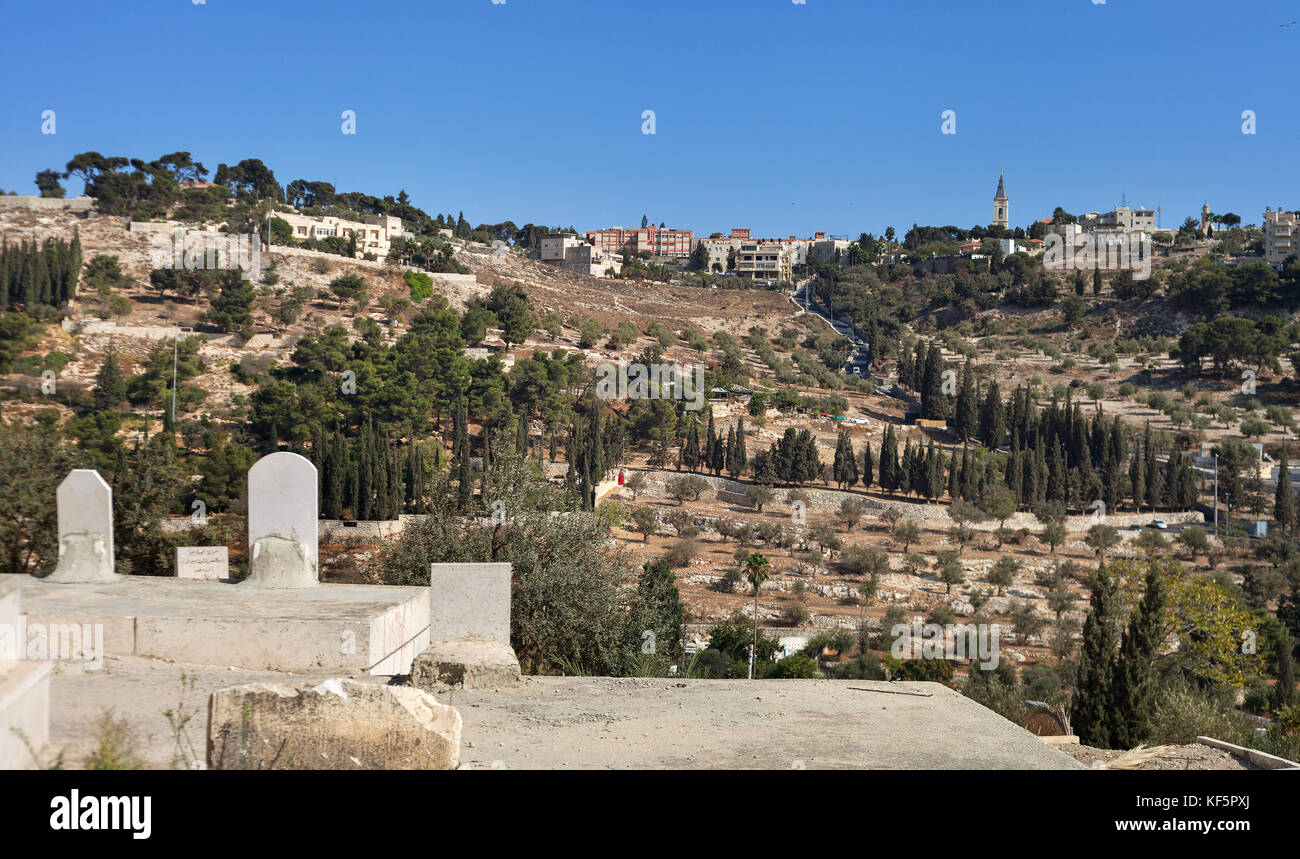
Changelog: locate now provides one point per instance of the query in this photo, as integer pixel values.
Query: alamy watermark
(1087, 251)
(58, 642)
(623, 381)
(932, 641)
(199, 249)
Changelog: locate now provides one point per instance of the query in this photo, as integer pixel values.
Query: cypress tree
(868, 466)
(1132, 692)
(1090, 712)
(1284, 506)
(463, 489)
(965, 416)
(904, 479)
(992, 419)
(521, 433)
(1284, 693)
(889, 461)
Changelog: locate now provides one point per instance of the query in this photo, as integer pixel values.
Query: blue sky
(783, 117)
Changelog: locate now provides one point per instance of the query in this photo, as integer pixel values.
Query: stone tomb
(85, 529)
(202, 562)
(282, 522)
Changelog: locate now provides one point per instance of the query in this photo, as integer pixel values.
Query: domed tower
(1001, 205)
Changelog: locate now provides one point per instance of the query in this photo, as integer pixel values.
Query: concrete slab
(615, 723)
(24, 712)
(333, 628)
(601, 722)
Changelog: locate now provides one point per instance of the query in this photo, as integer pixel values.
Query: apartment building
(374, 235)
(554, 249)
(765, 260)
(1123, 219)
(589, 259)
(819, 247)
(1280, 235)
(574, 254)
(651, 240)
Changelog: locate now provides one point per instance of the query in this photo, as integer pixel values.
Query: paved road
(861, 356)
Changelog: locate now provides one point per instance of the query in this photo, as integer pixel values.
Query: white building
(374, 236)
(1280, 235)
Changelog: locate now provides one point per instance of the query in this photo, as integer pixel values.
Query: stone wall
(51, 204)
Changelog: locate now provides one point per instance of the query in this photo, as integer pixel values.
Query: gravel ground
(1190, 757)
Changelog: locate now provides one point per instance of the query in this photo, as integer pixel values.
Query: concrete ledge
(1263, 760)
(332, 628)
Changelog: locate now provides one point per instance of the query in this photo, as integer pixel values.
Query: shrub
(421, 285)
(682, 552)
(797, 666)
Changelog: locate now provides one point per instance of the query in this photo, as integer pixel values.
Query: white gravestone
(202, 562)
(85, 529)
(470, 601)
(282, 520)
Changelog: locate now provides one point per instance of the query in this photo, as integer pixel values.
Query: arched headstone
(282, 521)
(85, 529)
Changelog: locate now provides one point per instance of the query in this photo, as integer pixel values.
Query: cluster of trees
(1208, 289)
(1150, 627)
(147, 190)
(40, 278)
(1234, 341)
(368, 476)
(717, 453)
(791, 460)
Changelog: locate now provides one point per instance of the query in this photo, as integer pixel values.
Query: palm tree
(759, 570)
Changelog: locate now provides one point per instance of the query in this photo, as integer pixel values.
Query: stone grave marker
(85, 504)
(282, 522)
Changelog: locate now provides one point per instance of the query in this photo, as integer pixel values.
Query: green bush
(421, 284)
(797, 666)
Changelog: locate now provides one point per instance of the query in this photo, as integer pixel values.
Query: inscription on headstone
(202, 562)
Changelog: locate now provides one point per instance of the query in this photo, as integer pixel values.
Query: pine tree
(110, 384)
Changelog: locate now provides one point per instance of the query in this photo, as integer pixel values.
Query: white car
(1160, 525)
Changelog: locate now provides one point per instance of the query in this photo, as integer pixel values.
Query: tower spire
(1001, 205)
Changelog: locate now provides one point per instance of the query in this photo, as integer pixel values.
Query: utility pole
(175, 340)
(1216, 495)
